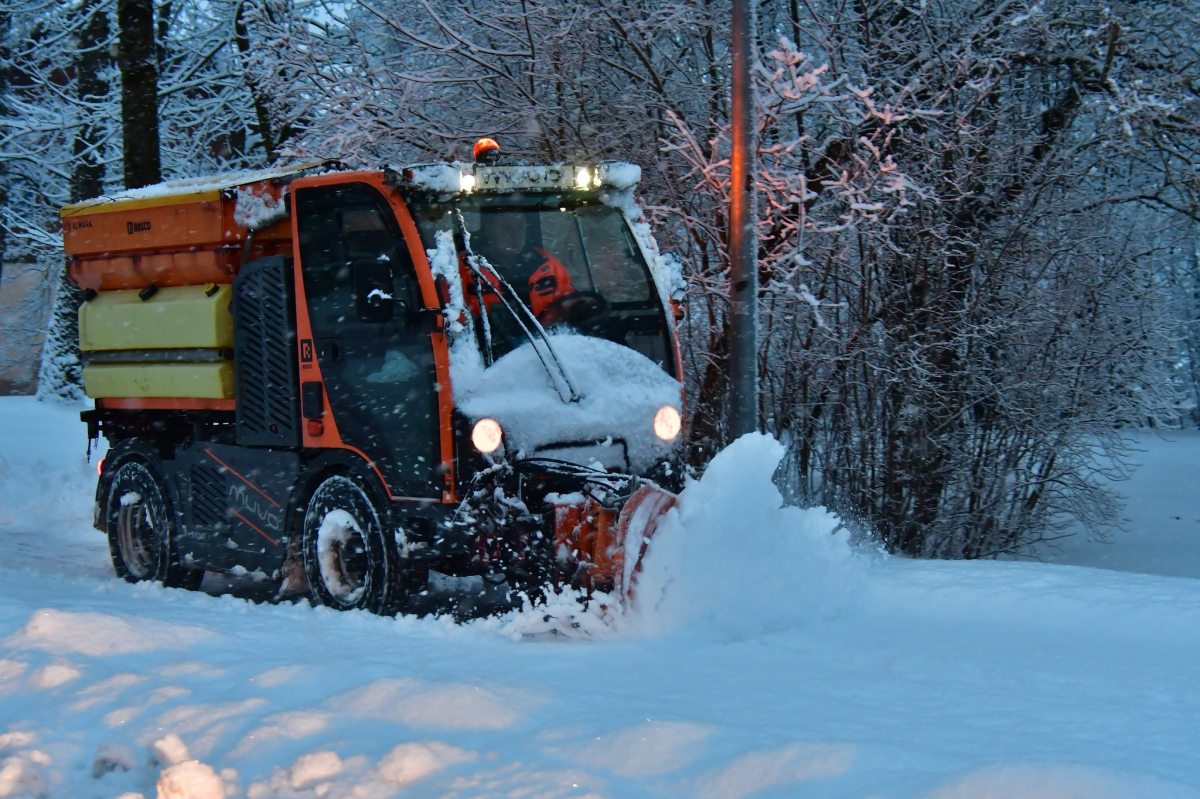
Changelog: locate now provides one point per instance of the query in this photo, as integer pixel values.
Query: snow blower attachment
(594, 543)
(434, 388)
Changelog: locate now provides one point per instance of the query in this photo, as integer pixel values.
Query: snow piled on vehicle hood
(620, 391)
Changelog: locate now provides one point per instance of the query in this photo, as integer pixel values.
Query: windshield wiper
(525, 318)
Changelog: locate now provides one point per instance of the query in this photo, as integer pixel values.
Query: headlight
(583, 178)
(467, 183)
(667, 423)
(486, 435)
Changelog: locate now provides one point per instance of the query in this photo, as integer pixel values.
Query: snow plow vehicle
(444, 387)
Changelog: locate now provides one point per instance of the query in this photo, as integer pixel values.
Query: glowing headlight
(467, 183)
(583, 178)
(667, 423)
(486, 435)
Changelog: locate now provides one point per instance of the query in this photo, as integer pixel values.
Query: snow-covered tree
(62, 130)
(978, 349)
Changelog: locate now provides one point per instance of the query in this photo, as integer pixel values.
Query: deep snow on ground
(765, 658)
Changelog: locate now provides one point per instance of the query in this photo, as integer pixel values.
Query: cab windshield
(573, 262)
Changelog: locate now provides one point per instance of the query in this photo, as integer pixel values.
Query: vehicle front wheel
(347, 559)
(139, 528)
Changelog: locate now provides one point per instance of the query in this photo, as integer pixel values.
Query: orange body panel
(569, 523)
(600, 541)
(604, 545)
(166, 404)
(176, 223)
(163, 269)
(587, 533)
(172, 240)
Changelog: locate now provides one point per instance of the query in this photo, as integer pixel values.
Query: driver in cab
(504, 240)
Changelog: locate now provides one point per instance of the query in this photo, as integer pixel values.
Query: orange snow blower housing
(438, 387)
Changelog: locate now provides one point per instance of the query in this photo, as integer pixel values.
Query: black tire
(348, 561)
(139, 524)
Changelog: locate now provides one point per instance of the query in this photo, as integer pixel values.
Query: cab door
(375, 355)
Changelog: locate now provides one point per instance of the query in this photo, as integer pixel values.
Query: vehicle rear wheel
(347, 559)
(139, 527)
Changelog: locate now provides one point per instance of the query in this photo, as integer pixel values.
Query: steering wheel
(585, 310)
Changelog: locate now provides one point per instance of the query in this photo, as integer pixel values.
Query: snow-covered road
(767, 660)
(1161, 515)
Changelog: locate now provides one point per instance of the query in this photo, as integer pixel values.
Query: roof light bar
(459, 177)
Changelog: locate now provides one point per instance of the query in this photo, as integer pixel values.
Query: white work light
(667, 423)
(486, 435)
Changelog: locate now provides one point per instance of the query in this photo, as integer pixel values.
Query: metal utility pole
(743, 233)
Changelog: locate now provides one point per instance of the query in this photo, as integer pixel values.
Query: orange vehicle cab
(440, 387)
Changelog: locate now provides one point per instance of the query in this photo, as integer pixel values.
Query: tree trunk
(91, 62)
(242, 37)
(5, 54)
(707, 435)
(138, 60)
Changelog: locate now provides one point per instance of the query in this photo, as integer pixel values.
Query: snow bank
(409, 763)
(731, 557)
(792, 667)
(440, 706)
(190, 779)
(54, 675)
(1059, 781)
(787, 765)
(170, 750)
(111, 756)
(314, 767)
(47, 483)
(99, 634)
(641, 750)
(20, 777)
(322, 774)
(620, 391)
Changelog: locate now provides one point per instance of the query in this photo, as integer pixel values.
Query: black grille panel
(208, 496)
(264, 343)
